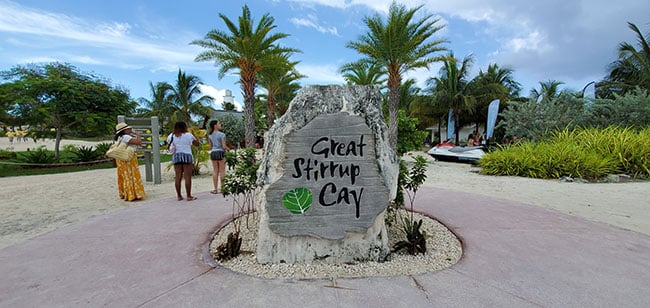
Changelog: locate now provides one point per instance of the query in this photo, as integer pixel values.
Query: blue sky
(134, 42)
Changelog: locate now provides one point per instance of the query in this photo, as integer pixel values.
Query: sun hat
(121, 126)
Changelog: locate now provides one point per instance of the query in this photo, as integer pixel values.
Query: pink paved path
(151, 255)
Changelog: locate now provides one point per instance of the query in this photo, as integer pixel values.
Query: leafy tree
(233, 127)
(629, 110)
(399, 45)
(535, 119)
(429, 111)
(247, 48)
(632, 69)
(58, 96)
(410, 138)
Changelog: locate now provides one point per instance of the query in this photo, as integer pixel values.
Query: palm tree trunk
(394, 82)
(270, 110)
(248, 86)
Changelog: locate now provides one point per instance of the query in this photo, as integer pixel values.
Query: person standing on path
(182, 158)
(218, 148)
(129, 181)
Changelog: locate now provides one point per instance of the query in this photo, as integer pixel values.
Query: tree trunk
(57, 143)
(270, 110)
(248, 82)
(394, 81)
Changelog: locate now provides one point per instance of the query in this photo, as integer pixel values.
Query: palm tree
(160, 104)
(187, 99)
(363, 73)
(399, 45)
(284, 98)
(276, 77)
(548, 90)
(495, 83)
(632, 68)
(246, 48)
(451, 88)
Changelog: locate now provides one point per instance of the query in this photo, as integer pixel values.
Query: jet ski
(446, 151)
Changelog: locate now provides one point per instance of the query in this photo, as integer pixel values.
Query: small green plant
(5, 154)
(101, 148)
(85, 154)
(415, 241)
(38, 157)
(231, 159)
(69, 148)
(241, 185)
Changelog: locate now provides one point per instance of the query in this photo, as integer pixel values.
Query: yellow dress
(129, 182)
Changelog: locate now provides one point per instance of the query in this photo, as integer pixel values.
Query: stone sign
(327, 177)
(331, 184)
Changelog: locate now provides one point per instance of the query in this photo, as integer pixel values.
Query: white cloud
(312, 22)
(94, 42)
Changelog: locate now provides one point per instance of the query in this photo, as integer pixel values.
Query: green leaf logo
(298, 200)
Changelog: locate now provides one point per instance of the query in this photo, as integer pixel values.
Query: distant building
(227, 99)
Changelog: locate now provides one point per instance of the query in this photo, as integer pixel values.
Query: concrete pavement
(153, 255)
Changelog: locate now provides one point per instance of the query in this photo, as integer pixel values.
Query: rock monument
(327, 177)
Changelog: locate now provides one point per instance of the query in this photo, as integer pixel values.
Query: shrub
(241, 184)
(84, 154)
(629, 110)
(582, 153)
(101, 148)
(409, 138)
(411, 180)
(536, 119)
(4, 154)
(39, 156)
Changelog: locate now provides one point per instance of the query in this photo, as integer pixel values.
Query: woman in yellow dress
(129, 182)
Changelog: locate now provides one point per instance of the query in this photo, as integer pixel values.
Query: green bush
(580, 153)
(85, 154)
(4, 154)
(101, 148)
(39, 156)
(409, 138)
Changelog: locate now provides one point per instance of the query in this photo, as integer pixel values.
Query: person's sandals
(214, 192)
(191, 198)
(180, 198)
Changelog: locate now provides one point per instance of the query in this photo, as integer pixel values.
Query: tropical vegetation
(248, 49)
(60, 100)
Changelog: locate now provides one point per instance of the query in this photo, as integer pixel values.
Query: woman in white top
(182, 158)
(218, 148)
(129, 181)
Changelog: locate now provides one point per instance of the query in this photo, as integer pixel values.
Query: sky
(134, 43)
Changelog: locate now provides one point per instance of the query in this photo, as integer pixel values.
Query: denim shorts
(182, 158)
(217, 155)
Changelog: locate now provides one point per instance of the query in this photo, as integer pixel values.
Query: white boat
(449, 152)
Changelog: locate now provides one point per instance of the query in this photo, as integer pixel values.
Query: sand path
(34, 205)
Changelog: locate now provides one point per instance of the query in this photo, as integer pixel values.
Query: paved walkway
(151, 255)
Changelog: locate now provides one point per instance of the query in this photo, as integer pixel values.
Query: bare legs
(218, 175)
(183, 171)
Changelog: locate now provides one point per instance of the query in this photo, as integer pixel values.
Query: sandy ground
(34, 205)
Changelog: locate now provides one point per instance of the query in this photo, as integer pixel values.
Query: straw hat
(121, 126)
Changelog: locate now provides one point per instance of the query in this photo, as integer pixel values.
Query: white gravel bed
(443, 250)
